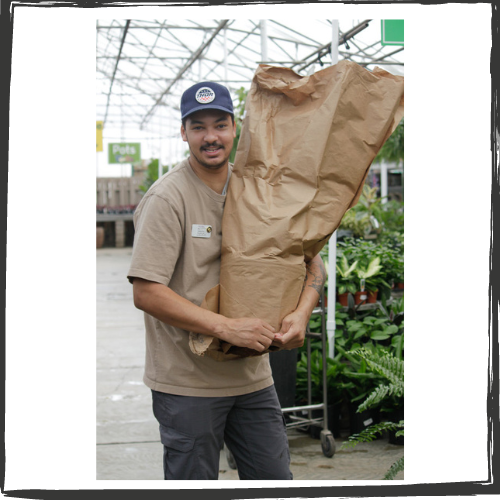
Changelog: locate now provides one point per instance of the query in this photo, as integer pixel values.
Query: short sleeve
(158, 241)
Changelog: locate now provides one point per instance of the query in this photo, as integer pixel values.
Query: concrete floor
(128, 444)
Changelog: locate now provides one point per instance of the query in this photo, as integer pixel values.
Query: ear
(183, 134)
(234, 129)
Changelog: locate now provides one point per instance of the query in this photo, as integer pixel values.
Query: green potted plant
(346, 279)
(391, 385)
(362, 220)
(392, 255)
(391, 217)
(372, 275)
(356, 383)
(399, 272)
(378, 330)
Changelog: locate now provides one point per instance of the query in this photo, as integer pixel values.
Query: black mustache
(212, 146)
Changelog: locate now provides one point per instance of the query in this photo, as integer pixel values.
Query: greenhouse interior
(345, 386)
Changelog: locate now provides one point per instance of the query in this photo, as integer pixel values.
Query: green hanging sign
(393, 32)
(124, 152)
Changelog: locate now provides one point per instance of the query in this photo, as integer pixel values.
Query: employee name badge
(201, 231)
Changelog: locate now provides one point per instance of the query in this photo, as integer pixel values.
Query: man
(200, 402)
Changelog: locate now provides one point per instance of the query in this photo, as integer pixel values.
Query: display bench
(395, 294)
(119, 225)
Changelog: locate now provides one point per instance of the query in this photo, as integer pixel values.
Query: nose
(210, 135)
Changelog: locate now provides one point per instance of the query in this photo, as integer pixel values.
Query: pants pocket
(179, 457)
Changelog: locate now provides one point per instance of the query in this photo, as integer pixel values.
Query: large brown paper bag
(305, 149)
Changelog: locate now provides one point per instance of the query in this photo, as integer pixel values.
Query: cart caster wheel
(327, 443)
(230, 459)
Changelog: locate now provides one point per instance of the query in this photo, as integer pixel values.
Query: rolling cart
(297, 420)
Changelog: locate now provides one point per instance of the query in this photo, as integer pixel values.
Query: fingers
(265, 336)
(292, 339)
(261, 347)
(264, 343)
(268, 330)
(252, 333)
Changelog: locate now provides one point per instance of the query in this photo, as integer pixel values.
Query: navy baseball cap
(206, 95)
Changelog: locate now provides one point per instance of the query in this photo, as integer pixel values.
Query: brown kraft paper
(305, 149)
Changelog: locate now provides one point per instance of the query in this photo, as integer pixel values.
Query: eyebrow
(200, 122)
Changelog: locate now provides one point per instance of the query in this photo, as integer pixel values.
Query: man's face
(209, 134)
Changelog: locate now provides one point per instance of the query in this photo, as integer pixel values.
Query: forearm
(313, 284)
(164, 304)
(167, 306)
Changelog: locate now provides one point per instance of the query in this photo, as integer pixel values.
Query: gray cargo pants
(193, 430)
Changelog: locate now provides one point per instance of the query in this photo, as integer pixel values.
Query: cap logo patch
(205, 95)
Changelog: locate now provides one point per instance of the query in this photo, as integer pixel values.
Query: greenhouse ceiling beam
(167, 26)
(150, 53)
(168, 39)
(108, 37)
(191, 61)
(370, 60)
(127, 58)
(322, 51)
(125, 29)
(377, 47)
(236, 30)
(124, 82)
(239, 44)
(383, 59)
(240, 57)
(232, 64)
(127, 77)
(150, 76)
(281, 48)
(180, 44)
(237, 56)
(236, 45)
(130, 116)
(246, 78)
(363, 52)
(148, 50)
(314, 42)
(275, 37)
(389, 55)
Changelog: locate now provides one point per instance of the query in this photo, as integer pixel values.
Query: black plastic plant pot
(360, 421)
(396, 416)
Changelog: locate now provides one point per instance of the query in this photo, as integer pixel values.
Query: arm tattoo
(316, 275)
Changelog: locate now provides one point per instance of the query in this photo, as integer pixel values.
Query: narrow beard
(217, 166)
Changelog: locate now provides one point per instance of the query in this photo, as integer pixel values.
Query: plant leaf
(396, 467)
(391, 329)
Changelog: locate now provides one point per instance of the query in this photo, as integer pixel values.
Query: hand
(293, 330)
(248, 332)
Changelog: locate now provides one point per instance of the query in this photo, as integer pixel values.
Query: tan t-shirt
(169, 248)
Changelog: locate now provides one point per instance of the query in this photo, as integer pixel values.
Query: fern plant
(391, 369)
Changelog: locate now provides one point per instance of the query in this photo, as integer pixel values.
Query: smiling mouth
(212, 150)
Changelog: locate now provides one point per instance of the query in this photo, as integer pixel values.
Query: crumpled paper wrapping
(305, 149)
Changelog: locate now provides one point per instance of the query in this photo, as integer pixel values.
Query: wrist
(220, 327)
(306, 307)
